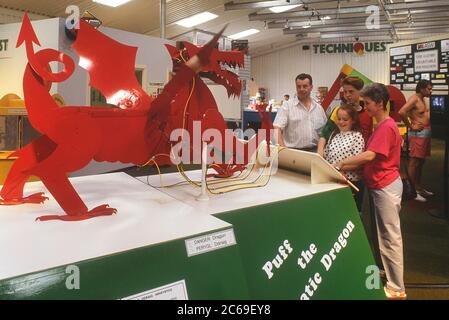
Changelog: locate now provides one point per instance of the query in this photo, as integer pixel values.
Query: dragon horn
(205, 52)
(172, 50)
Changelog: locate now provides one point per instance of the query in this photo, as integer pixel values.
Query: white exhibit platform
(283, 185)
(146, 214)
(145, 217)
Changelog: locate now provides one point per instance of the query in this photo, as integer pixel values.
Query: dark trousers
(358, 197)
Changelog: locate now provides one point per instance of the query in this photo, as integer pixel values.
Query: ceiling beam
(387, 16)
(321, 23)
(259, 4)
(362, 27)
(354, 35)
(424, 30)
(365, 37)
(443, 16)
(415, 11)
(19, 13)
(268, 4)
(347, 10)
(358, 28)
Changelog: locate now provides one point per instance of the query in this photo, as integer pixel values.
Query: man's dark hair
(422, 84)
(355, 82)
(377, 92)
(287, 95)
(304, 76)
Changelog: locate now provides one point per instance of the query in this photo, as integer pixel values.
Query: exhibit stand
(298, 237)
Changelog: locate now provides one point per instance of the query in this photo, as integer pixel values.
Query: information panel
(424, 60)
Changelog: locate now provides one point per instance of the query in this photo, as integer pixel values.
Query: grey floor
(426, 238)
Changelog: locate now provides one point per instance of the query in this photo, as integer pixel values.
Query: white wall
(151, 54)
(12, 69)
(50, 32)
(277, 71)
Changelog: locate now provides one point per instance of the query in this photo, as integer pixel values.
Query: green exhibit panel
(154, 248)
(313, 247)
(299, 236)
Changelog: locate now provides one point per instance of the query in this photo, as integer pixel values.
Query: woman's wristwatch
(339, 167)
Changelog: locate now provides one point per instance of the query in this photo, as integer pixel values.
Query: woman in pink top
(381, 162)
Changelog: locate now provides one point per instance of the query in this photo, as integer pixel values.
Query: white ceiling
(142, 16)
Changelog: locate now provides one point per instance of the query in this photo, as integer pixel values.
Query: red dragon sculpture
(138, 130)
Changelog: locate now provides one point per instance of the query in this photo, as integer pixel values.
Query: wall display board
(424, 60)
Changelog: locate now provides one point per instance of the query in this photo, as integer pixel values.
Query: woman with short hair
(381, 162)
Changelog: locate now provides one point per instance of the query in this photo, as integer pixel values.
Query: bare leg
(419, 174)
(412, 170)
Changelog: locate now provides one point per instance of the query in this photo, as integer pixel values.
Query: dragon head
(220, 67)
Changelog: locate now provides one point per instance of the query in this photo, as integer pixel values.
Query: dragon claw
(36, 198)
(103, 210)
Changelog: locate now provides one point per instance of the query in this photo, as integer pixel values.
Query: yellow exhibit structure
(15, 129)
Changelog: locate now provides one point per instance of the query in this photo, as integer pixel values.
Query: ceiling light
(196, 19)
(326, 18)
(243, 34)
(112, 3)
(280, 9)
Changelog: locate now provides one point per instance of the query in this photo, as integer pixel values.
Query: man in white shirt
(299, 121)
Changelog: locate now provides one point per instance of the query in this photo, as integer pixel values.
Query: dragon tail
(38, 77)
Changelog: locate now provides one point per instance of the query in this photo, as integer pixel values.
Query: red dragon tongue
(26, 33)
(206, 51)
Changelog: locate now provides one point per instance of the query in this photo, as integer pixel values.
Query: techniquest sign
(358, 47)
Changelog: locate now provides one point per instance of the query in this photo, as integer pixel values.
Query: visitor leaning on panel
(351, 91)
(346, 141)
(381, 176)
(299, 120)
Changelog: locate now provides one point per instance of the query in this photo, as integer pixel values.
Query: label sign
(426, 61)
(210, 242)
(400, 50)
(440, 87)
(357, 47)
(408, 86)
(444, 45)
(424, 46)
(173, 291)
(5, 47)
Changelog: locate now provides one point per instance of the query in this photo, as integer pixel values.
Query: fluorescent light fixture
(326, 18)
(112, 3)
(196, 19)
(280, 9)
(243, 34)
(306, 26)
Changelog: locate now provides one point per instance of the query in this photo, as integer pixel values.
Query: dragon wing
(110, 65)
